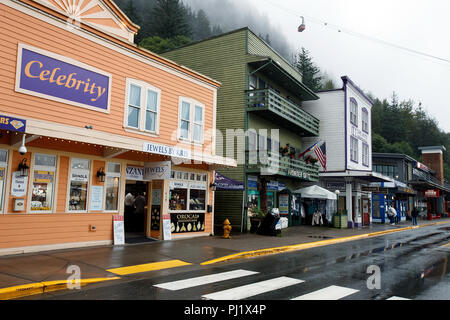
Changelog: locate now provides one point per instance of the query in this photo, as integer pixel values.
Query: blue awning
(226, 184)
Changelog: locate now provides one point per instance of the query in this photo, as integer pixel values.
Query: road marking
(148, 267)
(253, 289)
(198, 281)
(397, 298)
(328, 293)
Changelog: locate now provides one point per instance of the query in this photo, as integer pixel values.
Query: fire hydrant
(226, 229)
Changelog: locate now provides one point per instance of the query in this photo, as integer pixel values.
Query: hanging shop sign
(187, 222)
(177, 152)
(12, 124)
(55, 77)
(252, 182)
(157, 170)
(432, 193)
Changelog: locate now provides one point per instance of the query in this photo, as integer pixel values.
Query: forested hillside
(397, 126)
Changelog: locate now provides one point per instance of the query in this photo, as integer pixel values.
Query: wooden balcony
(268, 163)
(274, 107)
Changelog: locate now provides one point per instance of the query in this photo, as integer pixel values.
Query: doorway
(135, 214)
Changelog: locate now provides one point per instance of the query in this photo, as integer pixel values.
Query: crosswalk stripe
(397, 298)
(253, 289)
(328, 293)
(198, 281)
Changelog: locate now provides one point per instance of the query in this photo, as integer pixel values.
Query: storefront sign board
(119, 229)
(51, 76)
(96, 198)
(188, 222)
(19, 185)
(171, 151)
(12, 124)
(157, 170)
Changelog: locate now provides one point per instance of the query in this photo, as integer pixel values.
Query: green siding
(258, 47)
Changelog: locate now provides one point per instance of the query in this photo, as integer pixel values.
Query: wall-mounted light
(101, 175)
(23, 167)
(212, 186)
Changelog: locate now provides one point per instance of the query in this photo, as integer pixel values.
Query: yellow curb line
(148, 267)
(46, 286)
(308, 245)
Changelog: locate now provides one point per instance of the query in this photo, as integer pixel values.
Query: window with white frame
(188, 191)
(112, 183)
(143, 104)
(353, 149)
(79, 183)
(43, 187)
(3, 167)
(353, 111)
(365, 154)
(191, 120)
(365, 120)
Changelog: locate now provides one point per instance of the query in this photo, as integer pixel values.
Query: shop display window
(178, 199)
(79, 183)
(197, 199)
(112, 184)
(43, 183)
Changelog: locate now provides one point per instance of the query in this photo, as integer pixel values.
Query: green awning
(282, 77)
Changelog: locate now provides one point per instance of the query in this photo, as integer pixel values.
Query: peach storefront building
(94, 129)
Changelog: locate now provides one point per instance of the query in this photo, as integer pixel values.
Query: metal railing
(268, 99)
(272, 163)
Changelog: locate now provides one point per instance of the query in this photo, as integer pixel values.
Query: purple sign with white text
(46, 75)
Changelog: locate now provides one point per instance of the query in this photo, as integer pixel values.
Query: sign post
(119, 230)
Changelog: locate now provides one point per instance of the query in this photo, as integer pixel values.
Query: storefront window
(79, 179)
(3, 166)
(43, 183)
(112, 186)
(178, 196)
(197, 196)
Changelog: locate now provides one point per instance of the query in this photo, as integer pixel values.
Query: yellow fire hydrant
(226, 229)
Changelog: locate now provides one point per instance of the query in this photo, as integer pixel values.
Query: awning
(316, 192)
(367, 176)
(275, 72)
(226, 184)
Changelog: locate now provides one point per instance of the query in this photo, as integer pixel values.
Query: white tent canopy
(316, 192)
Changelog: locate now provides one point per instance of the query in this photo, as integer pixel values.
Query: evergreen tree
(201, 26)
(310, 72)
(170, 19)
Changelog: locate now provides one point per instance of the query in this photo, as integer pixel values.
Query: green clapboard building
(260, 92)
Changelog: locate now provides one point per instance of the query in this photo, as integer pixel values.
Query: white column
(348, 202)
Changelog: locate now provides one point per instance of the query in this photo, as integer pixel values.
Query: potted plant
(256, 217)
(285, 150)
(292, 153)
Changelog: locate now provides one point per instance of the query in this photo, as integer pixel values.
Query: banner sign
(157, 170)
(177, 152)
(51, 76)
(12, 124)
(19, 184)
(187, 222)
(432, 193)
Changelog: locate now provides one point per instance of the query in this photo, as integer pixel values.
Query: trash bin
(268, 225)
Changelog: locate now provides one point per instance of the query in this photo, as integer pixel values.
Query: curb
(44, 287)
(309, 245)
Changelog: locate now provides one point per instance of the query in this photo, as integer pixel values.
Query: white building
(345, 126)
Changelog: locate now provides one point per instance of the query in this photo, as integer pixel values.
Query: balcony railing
(427, 177)
(282, 109)
(269, 163)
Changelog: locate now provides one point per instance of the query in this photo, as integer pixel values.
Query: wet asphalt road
(411, 264)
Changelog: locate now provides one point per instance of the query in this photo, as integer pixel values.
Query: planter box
(340, 222)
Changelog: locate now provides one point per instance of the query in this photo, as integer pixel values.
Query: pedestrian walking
(414, 215)
(392, 214)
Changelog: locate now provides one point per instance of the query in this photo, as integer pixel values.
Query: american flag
(321, 154)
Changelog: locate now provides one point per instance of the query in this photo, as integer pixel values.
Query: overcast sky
(377, 68)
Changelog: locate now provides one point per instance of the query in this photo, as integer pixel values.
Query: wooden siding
(44, 229)
(330, 110)
(258, 47)
(17, 27)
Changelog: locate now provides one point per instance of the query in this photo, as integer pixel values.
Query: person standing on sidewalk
(392, 213)
(414, 215)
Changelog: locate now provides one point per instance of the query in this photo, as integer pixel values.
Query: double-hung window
(191, 120)
(142, 106)
(365, 154)
(43, 187)
(79, 183)
(112, 186)
(353, 149)
(365, 120)
(353, 111)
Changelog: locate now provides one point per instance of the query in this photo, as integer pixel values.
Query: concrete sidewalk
(27, 274)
